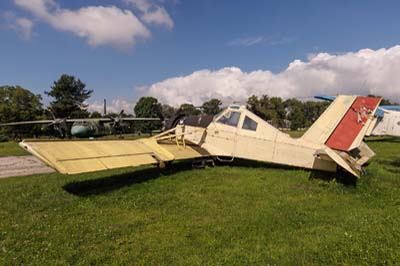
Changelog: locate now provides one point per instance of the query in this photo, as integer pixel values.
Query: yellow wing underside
(73, 157)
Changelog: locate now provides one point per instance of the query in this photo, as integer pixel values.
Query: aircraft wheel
(161, 165)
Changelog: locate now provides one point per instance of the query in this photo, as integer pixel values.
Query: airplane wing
(105, 119)
(73, 157)
(325, 97)
(390, 107)
(26, 123)
(140, 119)
(78, 120)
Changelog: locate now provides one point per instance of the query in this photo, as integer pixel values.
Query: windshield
(231, 118)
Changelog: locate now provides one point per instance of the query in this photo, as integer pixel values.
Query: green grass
(225, 215)
(11, 149)
(295, 134)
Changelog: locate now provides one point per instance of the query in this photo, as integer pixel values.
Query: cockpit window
(249, 124)
(230, 119)
(81, 123)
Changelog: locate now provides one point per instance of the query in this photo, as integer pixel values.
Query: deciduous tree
(148, 107)
(212, 106)
(69, 96)
(189, 109)
(19, 104)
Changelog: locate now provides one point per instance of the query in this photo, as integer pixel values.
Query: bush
(3, 138)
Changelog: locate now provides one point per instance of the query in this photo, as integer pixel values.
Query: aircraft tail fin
(345, 122)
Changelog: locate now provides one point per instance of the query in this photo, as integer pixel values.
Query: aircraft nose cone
(79, 131)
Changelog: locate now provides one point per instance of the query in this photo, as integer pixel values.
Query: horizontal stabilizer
(339, 160)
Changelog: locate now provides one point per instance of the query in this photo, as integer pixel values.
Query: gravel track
(22, 166)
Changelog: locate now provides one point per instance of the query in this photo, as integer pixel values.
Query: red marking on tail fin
(352, 123)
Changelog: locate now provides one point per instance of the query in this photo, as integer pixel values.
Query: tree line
(69, 96)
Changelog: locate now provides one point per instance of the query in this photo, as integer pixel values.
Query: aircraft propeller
(58, 124)
(117, 121)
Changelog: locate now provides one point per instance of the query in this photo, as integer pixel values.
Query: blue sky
(212, 35)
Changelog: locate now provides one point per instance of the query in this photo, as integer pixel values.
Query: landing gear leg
(203, 163)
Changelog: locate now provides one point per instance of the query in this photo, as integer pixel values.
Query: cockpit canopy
(81, 123)
(231, 117)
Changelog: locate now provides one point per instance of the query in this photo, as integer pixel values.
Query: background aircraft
(86, 127)
(387, 116)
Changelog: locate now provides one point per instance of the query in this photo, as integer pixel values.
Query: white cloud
(363, 72)
(142, 5)
(99, 25)
(23, 26)
(158, 16)
(115, 106)
(250, 41)
(152, 13)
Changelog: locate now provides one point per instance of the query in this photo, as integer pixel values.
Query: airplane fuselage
(389, 124)
(91, 128)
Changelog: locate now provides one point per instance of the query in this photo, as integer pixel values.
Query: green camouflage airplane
(85, 128)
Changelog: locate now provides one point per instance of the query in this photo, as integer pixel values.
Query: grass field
(241, 215)
(11, 149)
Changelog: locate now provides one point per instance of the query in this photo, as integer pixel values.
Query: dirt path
(21, 166)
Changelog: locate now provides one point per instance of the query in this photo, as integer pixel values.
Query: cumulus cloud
(23, 26)
(152, 13)
(363, 72)
(99, 25)
(115, 106)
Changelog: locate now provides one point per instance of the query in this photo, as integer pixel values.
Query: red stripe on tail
(352, 123)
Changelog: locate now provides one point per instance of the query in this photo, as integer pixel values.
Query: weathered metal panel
(389, 124)
(357, 116)
(72, 157)
(183, 153)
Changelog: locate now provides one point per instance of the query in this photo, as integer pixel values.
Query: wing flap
(98, 164)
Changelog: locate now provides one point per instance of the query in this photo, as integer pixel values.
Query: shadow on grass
(391, 165)
(383, 139)
(115, 182)
(341, 177)
(257, 164)
(395, 163)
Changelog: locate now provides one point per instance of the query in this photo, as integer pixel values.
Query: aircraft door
(222, 134)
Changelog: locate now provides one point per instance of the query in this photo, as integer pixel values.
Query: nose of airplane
(79, 131)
